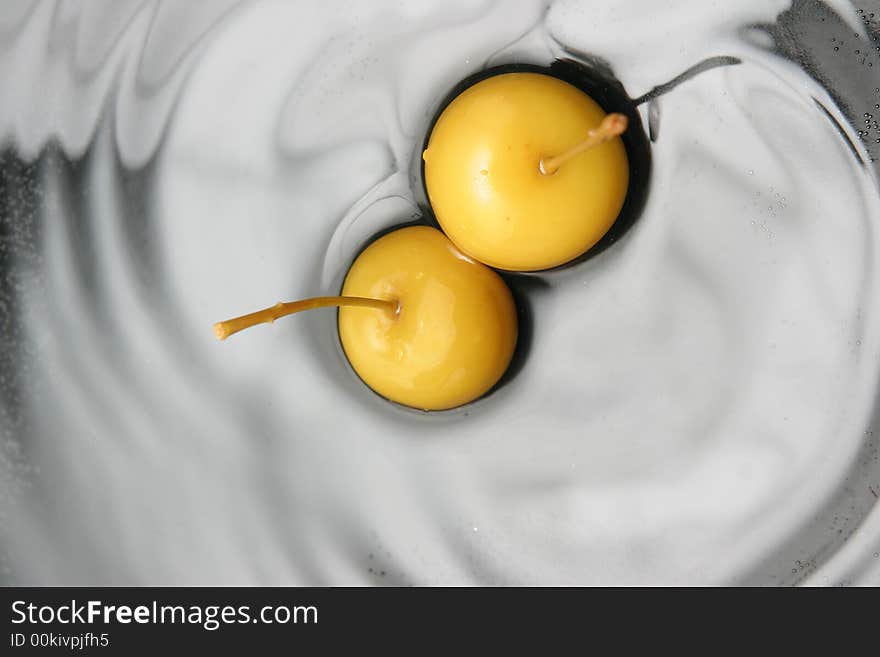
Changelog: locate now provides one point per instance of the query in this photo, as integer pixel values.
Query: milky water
(695, 404)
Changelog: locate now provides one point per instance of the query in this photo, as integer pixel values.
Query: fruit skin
(456, 329)
(482, 178)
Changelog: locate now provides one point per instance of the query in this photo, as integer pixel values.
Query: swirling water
(697, 404)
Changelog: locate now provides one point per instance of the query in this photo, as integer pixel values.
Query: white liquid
(694, 398)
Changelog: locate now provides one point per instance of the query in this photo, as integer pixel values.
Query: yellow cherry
(456, 328)
(422, 324)
(489, 190)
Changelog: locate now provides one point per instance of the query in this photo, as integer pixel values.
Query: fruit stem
(612, 126)
(268, 315)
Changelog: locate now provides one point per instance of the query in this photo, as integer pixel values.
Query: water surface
(698, 402)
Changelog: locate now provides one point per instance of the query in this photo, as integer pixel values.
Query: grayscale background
(699, 401)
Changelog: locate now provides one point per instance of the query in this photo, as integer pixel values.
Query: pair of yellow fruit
(427, 323)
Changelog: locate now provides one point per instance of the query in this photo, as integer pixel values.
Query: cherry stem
(612, 126)
(268, 315)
